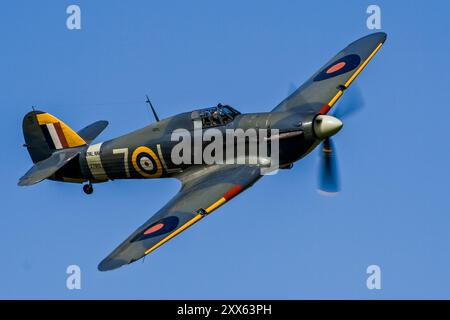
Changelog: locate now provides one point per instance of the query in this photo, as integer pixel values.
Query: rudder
(44, 134)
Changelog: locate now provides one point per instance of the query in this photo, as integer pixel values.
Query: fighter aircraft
(59, 153)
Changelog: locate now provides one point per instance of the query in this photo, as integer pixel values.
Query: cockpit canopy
(215, 116)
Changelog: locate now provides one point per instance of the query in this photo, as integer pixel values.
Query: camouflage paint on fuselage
(146, 153)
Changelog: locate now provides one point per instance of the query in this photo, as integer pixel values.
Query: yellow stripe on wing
(353, 77)
(197, 218)
(335, 98)
(176, 232)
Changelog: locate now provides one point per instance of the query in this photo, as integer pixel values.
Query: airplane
(61, 154)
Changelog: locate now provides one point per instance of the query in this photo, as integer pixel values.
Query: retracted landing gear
(88, 188)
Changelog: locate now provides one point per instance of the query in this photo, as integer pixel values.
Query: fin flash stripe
(231, 193)
(58, 134)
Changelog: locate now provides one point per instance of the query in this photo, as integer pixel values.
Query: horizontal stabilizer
(92, 131)
(45, 168)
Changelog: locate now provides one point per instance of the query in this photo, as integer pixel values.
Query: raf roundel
(158, 228)
(146, 163)
(336, 67)
(341, 66)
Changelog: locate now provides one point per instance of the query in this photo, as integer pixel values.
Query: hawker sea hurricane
(301, 122)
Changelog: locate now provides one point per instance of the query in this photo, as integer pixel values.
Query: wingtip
(109, 264)
(382, 35)
(25, 181)
(102, 268)
(377, 37)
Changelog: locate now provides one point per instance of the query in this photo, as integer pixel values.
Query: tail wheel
(88, 188)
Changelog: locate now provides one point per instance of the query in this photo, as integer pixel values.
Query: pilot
(215, 117)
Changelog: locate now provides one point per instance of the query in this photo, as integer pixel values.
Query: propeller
(329, 182)
(325, 127)
(329, 173)
(351, 103)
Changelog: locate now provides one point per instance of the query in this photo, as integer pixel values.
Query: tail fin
(44, 134)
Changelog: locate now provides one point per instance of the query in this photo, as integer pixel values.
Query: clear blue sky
(280, 239)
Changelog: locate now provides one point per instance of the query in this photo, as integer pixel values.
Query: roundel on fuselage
(338, 67)
(146, 163)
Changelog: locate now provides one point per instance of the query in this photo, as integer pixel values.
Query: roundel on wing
(341, 66)
(158, 228)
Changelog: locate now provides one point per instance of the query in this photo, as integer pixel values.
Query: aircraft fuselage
(147, 152)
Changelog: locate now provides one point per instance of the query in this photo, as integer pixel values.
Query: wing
(203, 190)
(323, 89)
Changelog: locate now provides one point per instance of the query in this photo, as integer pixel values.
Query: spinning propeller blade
(329, 184)
(329, 173)
(352, 102)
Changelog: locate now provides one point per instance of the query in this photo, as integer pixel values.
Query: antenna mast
(153, 109)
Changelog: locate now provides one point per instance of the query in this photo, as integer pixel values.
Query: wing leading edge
(319, 93)
(203, 191)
